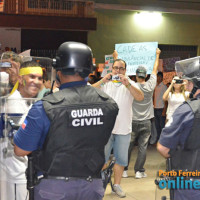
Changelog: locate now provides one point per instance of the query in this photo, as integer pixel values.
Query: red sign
(1, 5)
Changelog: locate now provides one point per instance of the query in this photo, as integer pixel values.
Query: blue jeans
(80, 189)
(141, 130)
(159, 121)
(120, 144)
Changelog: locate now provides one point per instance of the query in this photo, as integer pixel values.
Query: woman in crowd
(175, 95)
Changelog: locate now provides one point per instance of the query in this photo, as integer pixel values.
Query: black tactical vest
(188, 158)
(82, 119)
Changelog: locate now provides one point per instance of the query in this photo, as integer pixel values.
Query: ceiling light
(148, 19)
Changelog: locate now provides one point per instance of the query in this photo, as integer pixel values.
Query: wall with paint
(119, 27)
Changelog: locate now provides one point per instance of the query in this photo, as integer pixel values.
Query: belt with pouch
(89, 178)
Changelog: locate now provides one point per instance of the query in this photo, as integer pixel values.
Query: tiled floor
(145, 188)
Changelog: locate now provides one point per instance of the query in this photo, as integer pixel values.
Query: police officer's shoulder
(183, 109)
(105, 98)
(192, 99)
(54, 97)
(101, 93)
(37, 107)
(194, 104)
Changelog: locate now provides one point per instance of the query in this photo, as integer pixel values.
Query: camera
(5, 64)
(115, 78)
(179, 81)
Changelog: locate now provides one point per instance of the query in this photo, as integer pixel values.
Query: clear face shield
(12, 118)
(50, 73)
(4, 78)
(55, 80)
(189, 69)
(4, 90)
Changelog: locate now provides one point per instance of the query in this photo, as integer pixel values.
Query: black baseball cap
(141, 72)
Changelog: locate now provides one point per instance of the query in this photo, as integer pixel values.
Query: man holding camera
(68, 130)
(10, 64)
(123, 91)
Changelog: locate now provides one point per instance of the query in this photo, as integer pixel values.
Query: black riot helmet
(74, 57)
(190, 69)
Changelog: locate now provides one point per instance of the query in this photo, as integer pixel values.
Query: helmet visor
(189, 68)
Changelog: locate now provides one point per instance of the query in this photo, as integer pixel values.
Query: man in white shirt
(159, 104)
(12, 167)
(123, 91)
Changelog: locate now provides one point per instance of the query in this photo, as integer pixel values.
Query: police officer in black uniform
(68, 130)
(180, 139)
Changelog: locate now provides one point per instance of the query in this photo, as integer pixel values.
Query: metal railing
(50, 7)
(50, 53)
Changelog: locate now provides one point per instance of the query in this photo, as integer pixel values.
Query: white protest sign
(108, 65)
(26, 55)
(137, 54)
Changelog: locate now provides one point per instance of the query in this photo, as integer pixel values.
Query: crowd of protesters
(141, 99)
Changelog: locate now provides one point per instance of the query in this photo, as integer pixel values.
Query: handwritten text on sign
(136, 54)
(108, 65)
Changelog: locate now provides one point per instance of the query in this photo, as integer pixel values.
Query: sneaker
(140, 175)
(125, 175)
(118, 191)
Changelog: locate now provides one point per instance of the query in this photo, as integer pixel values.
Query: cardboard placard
(137, 54)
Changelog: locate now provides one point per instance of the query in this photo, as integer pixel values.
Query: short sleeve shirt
(143, 110)
(124, 100)
(158, 97)
(174, 102)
